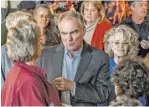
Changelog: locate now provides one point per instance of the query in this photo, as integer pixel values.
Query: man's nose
(69, 37)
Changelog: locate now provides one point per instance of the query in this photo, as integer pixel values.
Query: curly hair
(146, 60)
(98, 5)
(14, 17)
(132, 78)
(125, 101)
(23, 41)
(130, 35)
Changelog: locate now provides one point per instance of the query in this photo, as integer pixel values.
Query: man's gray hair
(14, 17)
(22, 41)
(76, 15)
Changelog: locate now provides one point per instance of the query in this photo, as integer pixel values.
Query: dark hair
(60, 10)
(132, 78)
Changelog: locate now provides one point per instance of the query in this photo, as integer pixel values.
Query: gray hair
(38, 6)
(74, 14)
(130, 35)
(98, 5)
(14, 17)
(22, 41)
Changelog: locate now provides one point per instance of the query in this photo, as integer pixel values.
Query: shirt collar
(78, 53)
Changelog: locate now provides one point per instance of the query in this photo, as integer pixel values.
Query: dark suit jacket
(92, 77)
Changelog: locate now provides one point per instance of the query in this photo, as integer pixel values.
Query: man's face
(72, 33)
(90, 12)
(139, 9)
(119, 45)
(43, 17)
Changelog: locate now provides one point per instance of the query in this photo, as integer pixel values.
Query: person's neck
(137, 20)
(31, 62)
(117, 59)
(75, 51)
(87, 24)
(42, 31)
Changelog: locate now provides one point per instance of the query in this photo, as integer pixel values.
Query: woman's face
(90, 12)
(119, 45)
(43, 17)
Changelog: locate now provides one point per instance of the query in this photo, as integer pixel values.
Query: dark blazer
(92, 77)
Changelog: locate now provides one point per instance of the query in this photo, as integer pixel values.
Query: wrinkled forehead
(118, 35)
(140, 1)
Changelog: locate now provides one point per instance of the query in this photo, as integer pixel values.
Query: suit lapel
(85, 60)
(58, 60)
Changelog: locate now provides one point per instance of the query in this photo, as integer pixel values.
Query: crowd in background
(91, 52)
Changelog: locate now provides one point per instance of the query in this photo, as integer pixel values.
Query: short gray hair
(74, 14)
(22, 41)
(129, 33)
(14, 17)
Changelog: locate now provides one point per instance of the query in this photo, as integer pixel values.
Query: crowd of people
(85, 53)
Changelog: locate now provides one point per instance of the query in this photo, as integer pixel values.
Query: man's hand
(63, 84)
(144, 44)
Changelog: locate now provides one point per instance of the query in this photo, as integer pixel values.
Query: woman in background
(49, 32)
(119, 42)
(95, 22)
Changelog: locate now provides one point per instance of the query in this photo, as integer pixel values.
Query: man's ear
(84, 30)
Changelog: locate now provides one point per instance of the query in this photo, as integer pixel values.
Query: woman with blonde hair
(121, 41)
(26, 84)
(95, 22)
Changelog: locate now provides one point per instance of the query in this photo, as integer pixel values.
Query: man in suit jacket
(79, 71)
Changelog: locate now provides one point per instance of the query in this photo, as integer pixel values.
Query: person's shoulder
(3, 48)
(49, 50)
(104, 24)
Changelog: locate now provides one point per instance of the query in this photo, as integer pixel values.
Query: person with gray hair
(119, 42)
(49, 32)
(11, 21)
(79, 71)
(26, 84)
(131, 78)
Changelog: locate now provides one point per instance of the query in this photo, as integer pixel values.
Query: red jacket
(98, 35)
(26, 85)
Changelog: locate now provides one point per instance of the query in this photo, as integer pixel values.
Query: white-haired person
(26, 84)
(119, 42)
(11, 21)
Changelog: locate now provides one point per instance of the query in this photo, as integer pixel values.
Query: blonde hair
(98, 5)
(130, 35)
(14, 17)
(146, 60)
